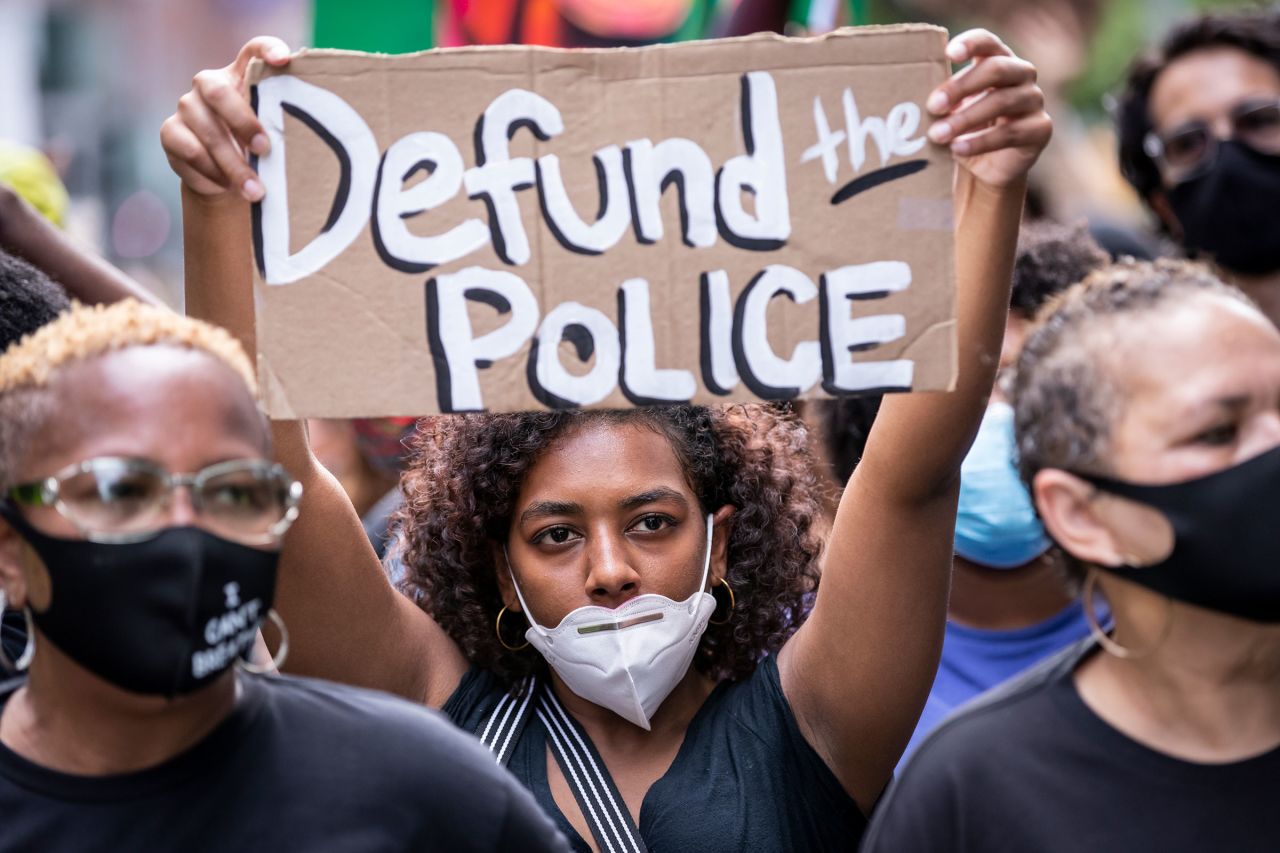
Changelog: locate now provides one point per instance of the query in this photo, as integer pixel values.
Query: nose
(611, 580)
(181, 511)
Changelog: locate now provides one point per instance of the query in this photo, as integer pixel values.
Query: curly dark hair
(1256, 33)
(466, 470)
(28, 299)
(1051, 257)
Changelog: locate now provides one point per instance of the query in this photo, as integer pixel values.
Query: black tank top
(744, 779)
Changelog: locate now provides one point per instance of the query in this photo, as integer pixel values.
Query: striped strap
(597, 796)
(502, 730)
(593, 787)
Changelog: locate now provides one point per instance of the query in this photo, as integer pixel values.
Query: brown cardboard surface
(377, 325)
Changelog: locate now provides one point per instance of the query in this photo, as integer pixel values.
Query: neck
(1005, 600)
(612, 733)
(1262, 289)
(1208, 692)
(65, 718)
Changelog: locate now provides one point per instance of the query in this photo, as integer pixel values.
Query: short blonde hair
(85, 331)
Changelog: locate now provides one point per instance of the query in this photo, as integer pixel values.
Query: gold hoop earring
(497, 629)
(1110, 645)
(732, 603)
(281, 653)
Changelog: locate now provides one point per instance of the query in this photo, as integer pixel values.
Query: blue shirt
(974, 660)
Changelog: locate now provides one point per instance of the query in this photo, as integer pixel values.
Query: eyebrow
(548, 509)
(661, 493)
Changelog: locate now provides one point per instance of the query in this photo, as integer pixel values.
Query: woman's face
(1200, 392)
(181, 409)
(604, 515)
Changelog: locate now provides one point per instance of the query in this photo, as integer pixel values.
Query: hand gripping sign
(507, 228)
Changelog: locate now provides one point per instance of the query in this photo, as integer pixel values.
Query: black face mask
(161, 617)
(1232, 211)
(1226, 550)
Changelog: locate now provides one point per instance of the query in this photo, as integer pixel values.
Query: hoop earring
(24, 660)
(281, 653)
(732, 604)
(497, 629)
(1110, 645)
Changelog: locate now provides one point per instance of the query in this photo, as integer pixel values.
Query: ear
(1164, 210)
(721, 528)
(12, 578)
(1068, 508)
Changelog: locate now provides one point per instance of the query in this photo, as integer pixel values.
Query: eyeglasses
(1191, 148)
(115, 500)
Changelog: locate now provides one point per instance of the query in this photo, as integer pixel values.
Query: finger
(224, 96)
(270, 49)
(196, 181)
(994, 72)
(976, 43)
(1031, 132)
(217, 140)
(182, 147)
(996, 103)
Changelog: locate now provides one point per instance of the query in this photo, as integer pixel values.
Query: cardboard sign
(518, 228)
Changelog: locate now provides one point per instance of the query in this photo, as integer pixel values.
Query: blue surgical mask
(996, 525)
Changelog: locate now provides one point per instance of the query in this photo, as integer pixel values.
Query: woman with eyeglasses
(140, 528)
(1148, 427)
(1199, 137)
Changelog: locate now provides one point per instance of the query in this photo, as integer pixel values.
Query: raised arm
(859, 670)
(86, 276)
(345, 621)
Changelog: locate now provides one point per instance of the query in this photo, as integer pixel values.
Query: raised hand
(991, 112)
(206, 140)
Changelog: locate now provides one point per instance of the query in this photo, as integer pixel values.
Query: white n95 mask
(627, 659)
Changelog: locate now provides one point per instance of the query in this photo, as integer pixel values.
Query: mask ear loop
(706, 561)
(528, 614)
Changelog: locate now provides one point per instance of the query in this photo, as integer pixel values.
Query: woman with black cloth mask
(141, 526)
(603, 534)
(1199, 137)
(1148, 428)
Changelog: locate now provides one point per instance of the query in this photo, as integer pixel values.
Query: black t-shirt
(1031, 767)
(744, 779)
(299, 765)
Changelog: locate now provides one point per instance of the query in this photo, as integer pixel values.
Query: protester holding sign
(601, 536)
(1148, 431)
(141, 528)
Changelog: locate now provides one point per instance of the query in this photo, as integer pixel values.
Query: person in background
(1010, 605)
(383, 442)
(1199, 139)
(1147, 419)
(28, 300)
(141, 520)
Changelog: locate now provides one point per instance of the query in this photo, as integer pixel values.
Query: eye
(557, 535)
(1218, 436)
(653, 523)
